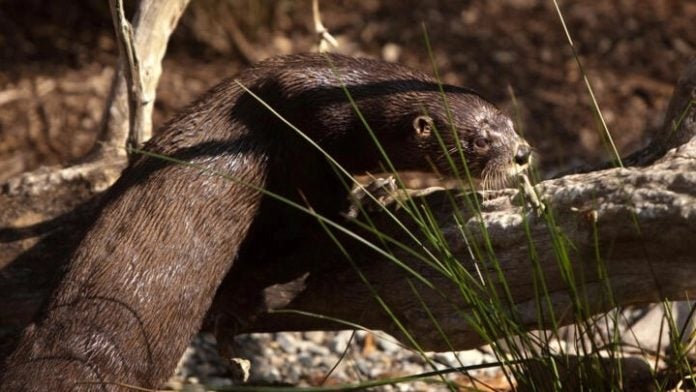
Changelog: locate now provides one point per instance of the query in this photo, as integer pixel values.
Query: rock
(340, 342)
(218, 382)
(273, 376)
(240, 368)
(287, 342)
(293, 374)
(317, 350)
(388, 345)
(317, 337)
(305, 360)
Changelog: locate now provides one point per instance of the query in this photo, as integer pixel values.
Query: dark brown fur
(141, 281)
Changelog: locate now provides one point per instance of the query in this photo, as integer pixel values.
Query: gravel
(306, 359)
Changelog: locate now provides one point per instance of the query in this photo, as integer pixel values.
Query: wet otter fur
(141, 281)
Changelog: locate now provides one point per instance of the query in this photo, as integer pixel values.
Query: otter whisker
(486, 176)
(495, 177)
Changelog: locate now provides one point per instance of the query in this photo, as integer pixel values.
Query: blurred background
(57, 60)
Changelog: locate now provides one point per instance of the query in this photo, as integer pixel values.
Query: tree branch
(153, 24)
(130, 63)
(643, 217)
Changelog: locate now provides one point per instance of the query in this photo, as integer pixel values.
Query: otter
(139, 285)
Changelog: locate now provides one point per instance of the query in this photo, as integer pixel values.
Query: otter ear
(423, 125)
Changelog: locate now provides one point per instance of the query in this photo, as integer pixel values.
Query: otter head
(473, 136)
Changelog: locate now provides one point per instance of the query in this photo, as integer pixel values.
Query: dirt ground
(57, 58)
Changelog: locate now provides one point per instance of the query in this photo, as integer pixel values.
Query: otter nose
(522, 154)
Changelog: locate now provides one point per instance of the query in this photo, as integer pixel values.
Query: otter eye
(481, 142)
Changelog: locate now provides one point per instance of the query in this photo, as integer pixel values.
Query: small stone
(325, 361)
(273, 376)
(412, 368)
(340, 342)
(218, 382)
(317, 337)
(317, 350)
(275, 360)
(287, 342)
(267, 352)
(375, 371)
(405, 387)
(470, 357)
(240, 368)
(388, 345)
(176, 385)
(363, 366)
(360, 335)
(293, 375)
(305, 360)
